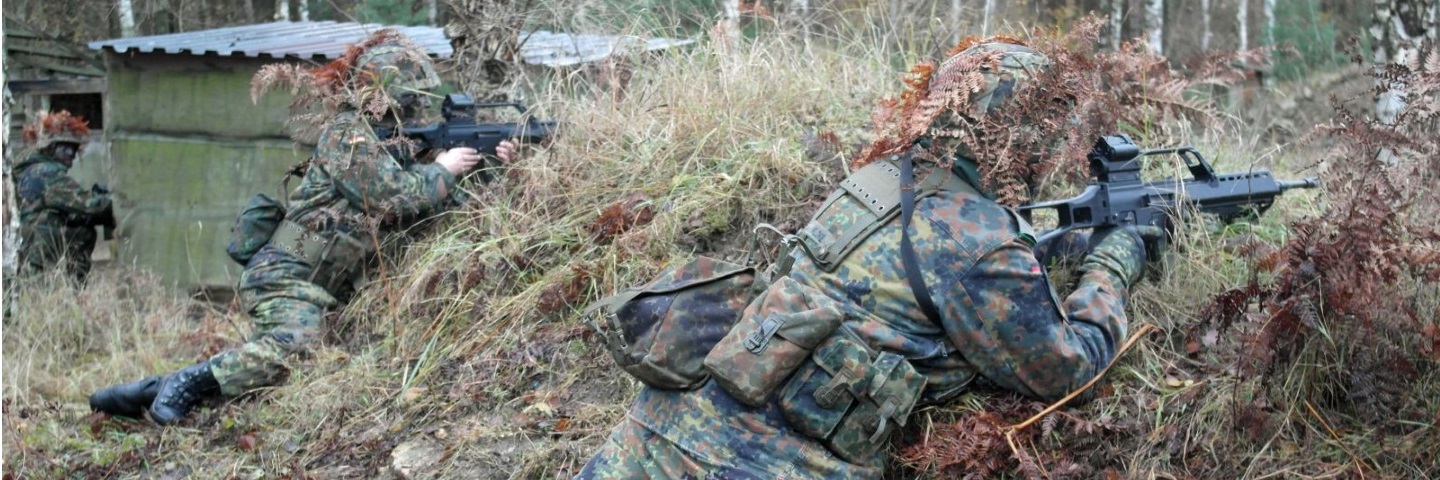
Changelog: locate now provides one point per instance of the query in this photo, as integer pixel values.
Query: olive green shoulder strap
(877, 188)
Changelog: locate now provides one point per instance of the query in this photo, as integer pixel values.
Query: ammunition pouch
(849, 398)
(774, 336)
(336, 258)
(660, 332)
(254, 227)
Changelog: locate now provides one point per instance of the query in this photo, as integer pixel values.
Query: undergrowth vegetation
(1303, 343)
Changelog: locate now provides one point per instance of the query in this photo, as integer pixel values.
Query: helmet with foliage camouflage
(396, 67)
(56, 127)
(1017, 64)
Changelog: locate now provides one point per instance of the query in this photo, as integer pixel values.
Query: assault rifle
(1119, 197)
(461, 130)
(106, 219)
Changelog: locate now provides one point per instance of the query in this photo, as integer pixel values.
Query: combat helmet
(56, 127)
(394, 64)
(1014, 67)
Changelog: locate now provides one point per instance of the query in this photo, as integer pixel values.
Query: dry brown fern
(1046, 129)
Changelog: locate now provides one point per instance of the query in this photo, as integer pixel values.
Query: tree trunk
(989, 13)
(249, 11)
(11, 239)
(1205, 25)
(1397, 29)
(1155, 25)
(304, 7)
(1269, 9)
(432, 11)
(956, 9)
(282, 10)
(799, 17)
(127, 18)
(728, 31)
(485, 36)
(1242, 15)
(1117, 22)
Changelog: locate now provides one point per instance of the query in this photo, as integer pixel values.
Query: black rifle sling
(907, 252)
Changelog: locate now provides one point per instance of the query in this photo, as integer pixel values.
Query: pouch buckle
(758, 339)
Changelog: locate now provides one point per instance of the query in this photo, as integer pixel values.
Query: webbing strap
(907, 251)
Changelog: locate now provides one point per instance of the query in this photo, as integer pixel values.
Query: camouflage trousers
(44, 246)
(286, 310)
(706, 434)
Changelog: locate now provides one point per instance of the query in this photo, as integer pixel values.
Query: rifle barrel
(1309, 182)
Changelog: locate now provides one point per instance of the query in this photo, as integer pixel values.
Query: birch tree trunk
(304, 7)
(1155, 25)
(989, 14)
(727, 33)
(127, 18)
(1397, 29)
(1205, 25)
(1117, 22)
(11, 239)
(249, 11)
(1242, 16)
(956, 9)
(1433, 28)
(1269, 9)
(282, 10)
(432, 12)
(798, 16)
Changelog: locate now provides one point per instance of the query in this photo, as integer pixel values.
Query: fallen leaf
(247, 442)
(1192, 347)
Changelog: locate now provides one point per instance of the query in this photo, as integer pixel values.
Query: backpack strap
(907, 251)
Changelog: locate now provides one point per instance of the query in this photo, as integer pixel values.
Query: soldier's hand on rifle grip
(507, 150)
(1124, 251)
(459, 160)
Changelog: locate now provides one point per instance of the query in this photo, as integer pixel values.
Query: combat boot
(181, 391)
(126, 400)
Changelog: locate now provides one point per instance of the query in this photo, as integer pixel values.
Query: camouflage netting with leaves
(320, 92)
(1047, 128)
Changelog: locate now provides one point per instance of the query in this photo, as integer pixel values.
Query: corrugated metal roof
(327, 40)
(306, 40)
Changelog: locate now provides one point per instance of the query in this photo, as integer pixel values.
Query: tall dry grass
(465, 349)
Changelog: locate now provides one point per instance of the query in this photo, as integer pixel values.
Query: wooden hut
(187, 147)
(45, 73)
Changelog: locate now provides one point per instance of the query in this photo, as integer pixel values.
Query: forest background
(1302, 344)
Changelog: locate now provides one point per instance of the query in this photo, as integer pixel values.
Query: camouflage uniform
(352, 181)
(56, 215)
(999, 320)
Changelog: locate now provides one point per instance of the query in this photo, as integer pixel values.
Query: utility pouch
(849, 399)
(660, 332)
(340, 262)
(774, 336)
(254, 227)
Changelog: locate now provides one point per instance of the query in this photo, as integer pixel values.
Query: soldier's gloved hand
(1121, 251)
(1067, 249)
(100, 189)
